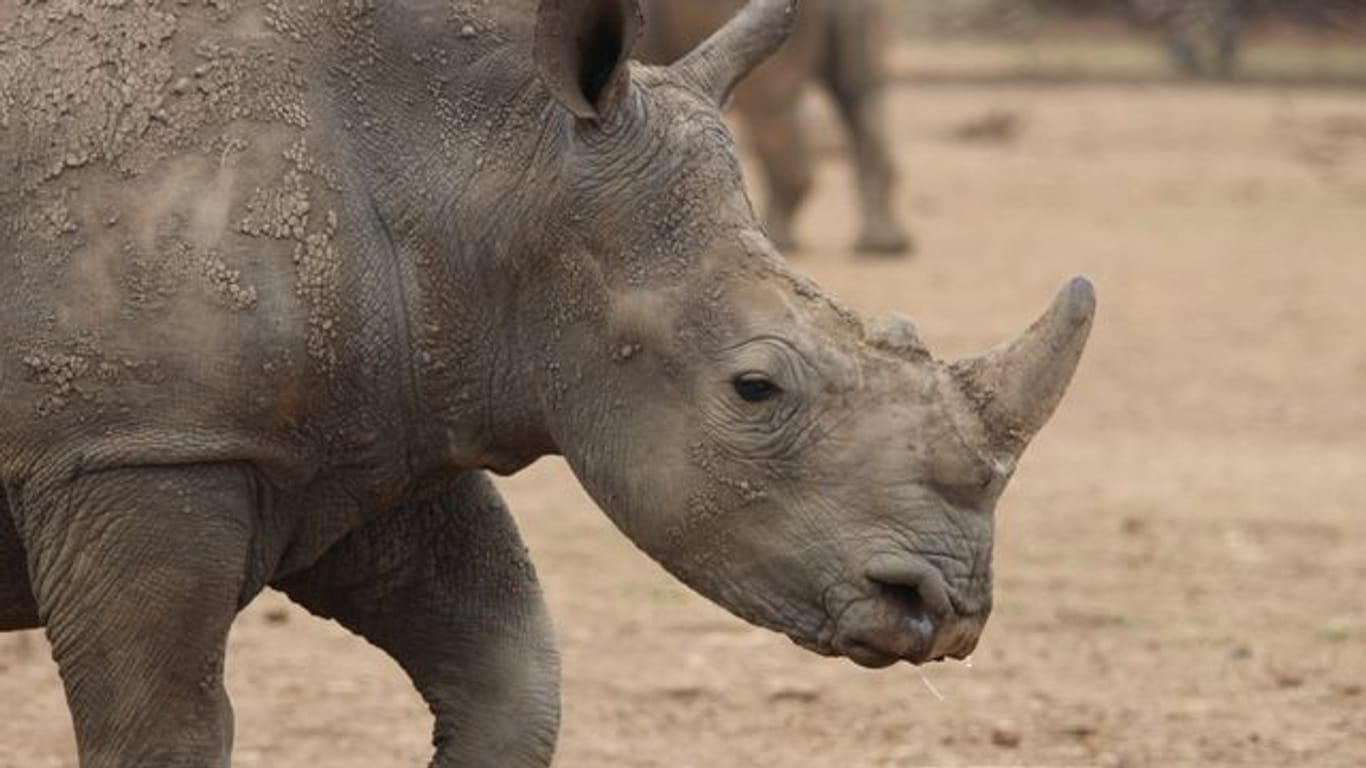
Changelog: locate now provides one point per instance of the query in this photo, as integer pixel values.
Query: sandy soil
(1181, 558)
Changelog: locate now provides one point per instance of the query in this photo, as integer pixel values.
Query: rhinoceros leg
(785, 156)
(137, 574)
(1228, 32)
(445, 587)
(17, 609)
(1182, 49)
(854, 73)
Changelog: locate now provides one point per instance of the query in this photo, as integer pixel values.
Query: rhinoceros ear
(582, 47)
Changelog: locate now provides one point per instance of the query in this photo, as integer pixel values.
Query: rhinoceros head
(814, 472)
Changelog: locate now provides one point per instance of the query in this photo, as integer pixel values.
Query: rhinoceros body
(283, 280)
(839, 45)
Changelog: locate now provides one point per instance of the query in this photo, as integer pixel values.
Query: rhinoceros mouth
(890, 627)
(892, 622)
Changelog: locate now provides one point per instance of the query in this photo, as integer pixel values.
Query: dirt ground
(1181, 559)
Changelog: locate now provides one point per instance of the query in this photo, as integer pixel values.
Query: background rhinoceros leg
(855, 74)
(17, 609)
(137, 575)
(445, 587)
(1228, 34)
(784, 153)
(1182, 49)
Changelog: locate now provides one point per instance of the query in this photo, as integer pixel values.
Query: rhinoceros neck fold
(456, 199)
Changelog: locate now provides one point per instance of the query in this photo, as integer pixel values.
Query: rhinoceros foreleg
(445, 587)
(17, 609)
(855, 75)
(137, 575)
(785, 156)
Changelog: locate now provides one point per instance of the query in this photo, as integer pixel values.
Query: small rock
(685, 692)
(995, 127)
(1285, 678)
(1134, 526)
(794, 690)
(1006, 735)
(1080, 730)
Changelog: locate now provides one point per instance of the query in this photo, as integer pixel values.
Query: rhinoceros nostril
(921, 578)
(907, 597)
(911, 606)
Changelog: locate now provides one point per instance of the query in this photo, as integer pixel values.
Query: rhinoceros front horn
(723, 60)
(1017, 386)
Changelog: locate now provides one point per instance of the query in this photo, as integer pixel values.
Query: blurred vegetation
(1284, 40)
(1008, 18)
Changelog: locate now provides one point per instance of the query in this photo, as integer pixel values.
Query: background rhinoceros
(839, 45)
(282, 280)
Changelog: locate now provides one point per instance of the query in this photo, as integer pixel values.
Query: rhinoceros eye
(755, 387)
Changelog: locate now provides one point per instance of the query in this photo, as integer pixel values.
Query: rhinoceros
(837, 44)
(285, 281)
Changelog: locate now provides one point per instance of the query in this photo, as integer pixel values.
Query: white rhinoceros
(282, 280)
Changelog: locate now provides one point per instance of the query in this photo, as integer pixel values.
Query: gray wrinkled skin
(282, 281)
(839, 45)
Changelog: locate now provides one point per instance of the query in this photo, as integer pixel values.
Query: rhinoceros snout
(907, 616)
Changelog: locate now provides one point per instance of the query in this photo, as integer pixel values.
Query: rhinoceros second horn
(718, 64)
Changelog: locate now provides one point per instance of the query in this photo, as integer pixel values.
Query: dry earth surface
(1181, 558)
